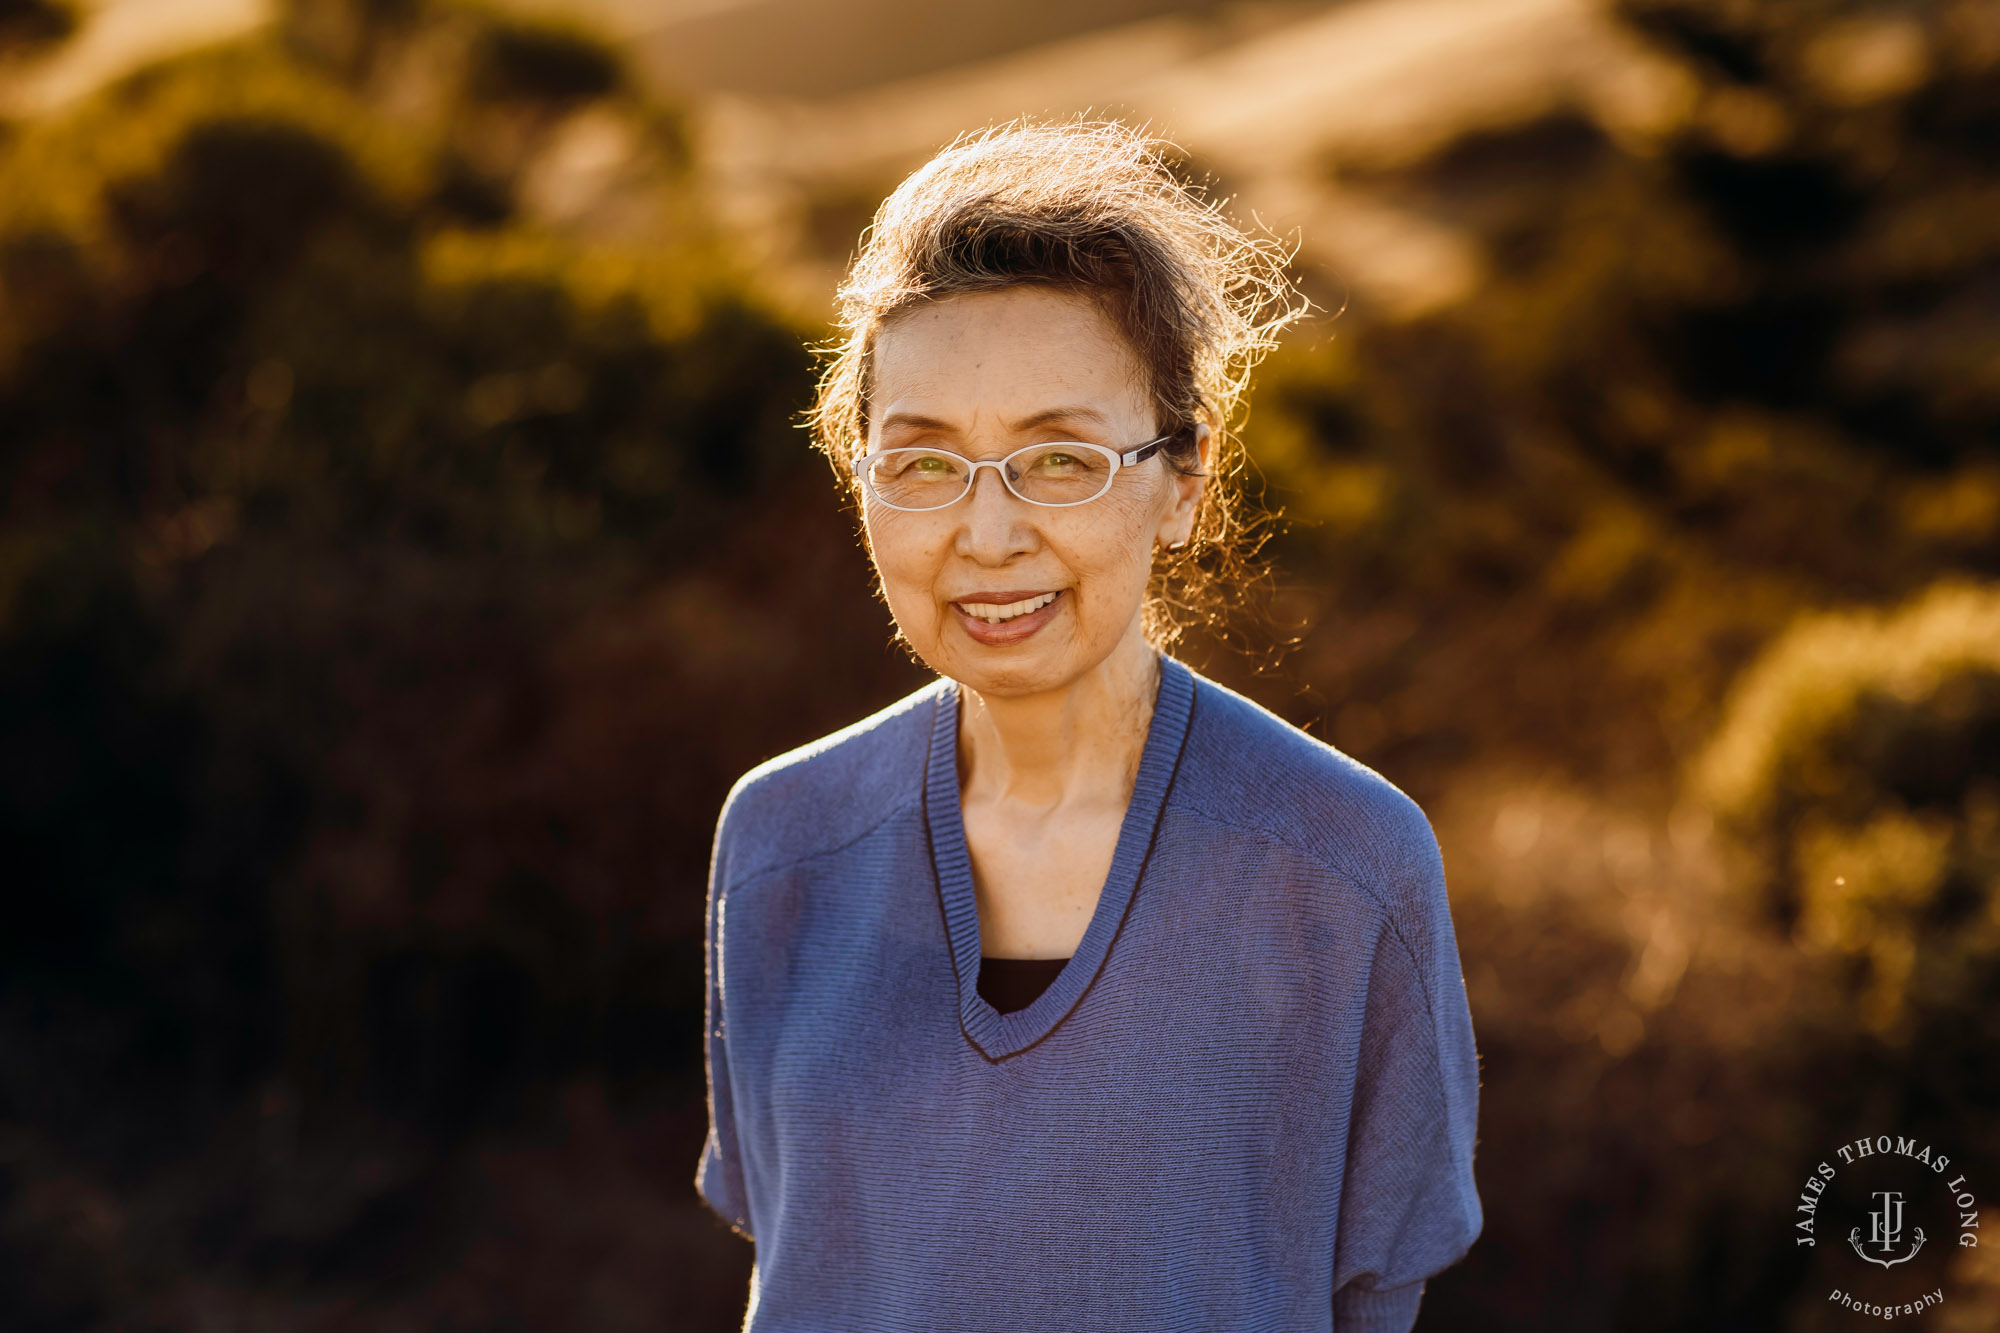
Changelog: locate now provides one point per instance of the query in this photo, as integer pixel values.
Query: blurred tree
(338, 488)
(405, 542)
(1861, 757)
(1756, 342)
(1733, 364)
(29, 25)
(1859, 763)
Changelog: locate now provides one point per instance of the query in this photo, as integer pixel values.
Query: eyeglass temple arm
(1143, 452)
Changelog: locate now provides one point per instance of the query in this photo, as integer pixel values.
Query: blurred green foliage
(316, 445)
(400, 557)
(1695, 504)
(29, 25)
(1713, 378)
(1859, 753)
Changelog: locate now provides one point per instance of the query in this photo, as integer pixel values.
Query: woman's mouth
(989, 619)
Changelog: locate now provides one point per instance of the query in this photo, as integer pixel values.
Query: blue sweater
(1247, 1103)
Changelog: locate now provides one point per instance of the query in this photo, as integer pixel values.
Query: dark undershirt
(1009, 984)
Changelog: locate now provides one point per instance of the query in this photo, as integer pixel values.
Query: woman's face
(983, 375)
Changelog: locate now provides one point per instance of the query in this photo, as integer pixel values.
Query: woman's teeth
(994, 615)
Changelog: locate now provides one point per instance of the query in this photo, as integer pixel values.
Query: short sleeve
(719, 1176)
(1408, 1206)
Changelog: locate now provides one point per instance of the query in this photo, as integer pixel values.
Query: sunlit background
(407, 539)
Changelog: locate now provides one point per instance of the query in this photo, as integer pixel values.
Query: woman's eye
(902, 464)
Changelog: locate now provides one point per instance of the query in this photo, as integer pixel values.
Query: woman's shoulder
(1249, 768)
(826, 793)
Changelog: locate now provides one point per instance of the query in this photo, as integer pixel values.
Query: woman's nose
(994, 525)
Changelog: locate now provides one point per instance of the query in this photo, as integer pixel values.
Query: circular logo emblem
(1885, 1215)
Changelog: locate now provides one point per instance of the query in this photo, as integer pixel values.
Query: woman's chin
(1008, 670)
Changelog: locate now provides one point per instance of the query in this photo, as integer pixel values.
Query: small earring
(1180, 545)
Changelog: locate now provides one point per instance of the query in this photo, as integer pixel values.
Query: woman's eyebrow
(1077, 412)
(916, 419)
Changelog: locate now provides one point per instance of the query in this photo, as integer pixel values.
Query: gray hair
(1094, 208)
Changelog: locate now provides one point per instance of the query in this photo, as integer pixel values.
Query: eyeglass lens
(1052, 474)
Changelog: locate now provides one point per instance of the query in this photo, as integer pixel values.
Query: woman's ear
(1177, 528)
(1204, 446)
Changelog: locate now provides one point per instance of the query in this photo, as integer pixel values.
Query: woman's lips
(1007, 631)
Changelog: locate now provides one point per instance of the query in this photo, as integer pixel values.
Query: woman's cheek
(906, 573)
(1120, 549)
(910, 607)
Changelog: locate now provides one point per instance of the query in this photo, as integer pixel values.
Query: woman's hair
(1094, 208)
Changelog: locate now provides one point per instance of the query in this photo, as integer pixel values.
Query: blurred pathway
(1275, 99)
(1280, 100)
(117, 36)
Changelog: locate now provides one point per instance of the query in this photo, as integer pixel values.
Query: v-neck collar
(993, 1034)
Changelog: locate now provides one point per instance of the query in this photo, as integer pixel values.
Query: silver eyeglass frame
(1119, 461)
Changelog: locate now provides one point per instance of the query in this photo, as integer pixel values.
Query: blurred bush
(1704, 357)
(1693, 511)
(363, 527)
(29, 25)
(405, 543)
(1861, 756)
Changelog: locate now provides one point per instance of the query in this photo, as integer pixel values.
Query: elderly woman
(1073, 991)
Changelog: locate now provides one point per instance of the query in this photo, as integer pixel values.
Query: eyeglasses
(1057, 474)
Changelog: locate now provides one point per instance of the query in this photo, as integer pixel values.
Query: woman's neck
(1081, 741)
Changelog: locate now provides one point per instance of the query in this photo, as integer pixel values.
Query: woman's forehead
(1020, 318)
(1024, 356)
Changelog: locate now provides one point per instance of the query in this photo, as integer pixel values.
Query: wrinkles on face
(973, 374)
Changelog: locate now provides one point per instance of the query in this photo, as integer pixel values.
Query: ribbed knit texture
(1247, 1103)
